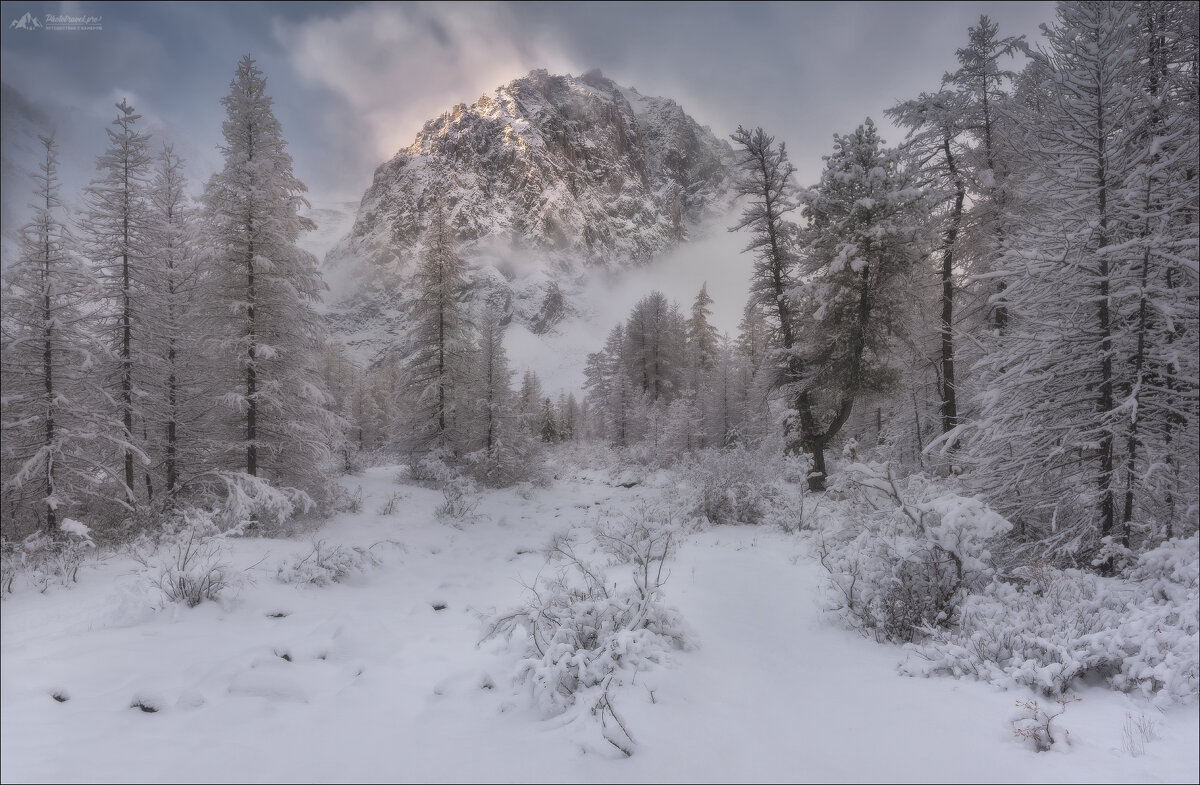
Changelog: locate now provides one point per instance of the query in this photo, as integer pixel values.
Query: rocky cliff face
(545, 181)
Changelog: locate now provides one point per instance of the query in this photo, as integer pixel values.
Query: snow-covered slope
(333, 220)
(382, 677)
(546, 181)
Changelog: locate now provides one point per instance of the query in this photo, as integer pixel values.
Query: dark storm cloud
(353, 83)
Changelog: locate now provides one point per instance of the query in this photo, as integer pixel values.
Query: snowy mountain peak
(543, 180)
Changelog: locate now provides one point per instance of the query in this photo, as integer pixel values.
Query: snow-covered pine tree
(439, 351)
(117, 231)
(175, 378)
(261, 293)
(935, 143)
(547, 422)
(756, 378)
(656, 334)
(568, 416)
(343, 380)
(368, 409)
(702, 342)
(981, 110)
(62, 444)
(866, 228)
(725, 396)
(499, 448)
(1071, 409)
(701, 335)
(766, 181)
(683, 428)
(1163, 196)
(529, 398)
(611, 392)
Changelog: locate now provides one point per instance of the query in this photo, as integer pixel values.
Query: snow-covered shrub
(432, 467)
(324, 565)
(392, 503)
(586, 636)
(1022, 636)
(906, 554)
(1035, 724)
(42, 560)
(506, 464)
(188, 564)
(1171, 572)
(795, 469)
(460, 499)
(1141, 632)
(733, 486)
(625, 474)
(584, 454)
(1136, 732)
(238, 500)
(1160, 633)
(345, 500)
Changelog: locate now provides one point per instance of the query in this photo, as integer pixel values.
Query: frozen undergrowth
(910, 561)
(384, 667)
(1050, 628)
(326, 564)
(585, 636)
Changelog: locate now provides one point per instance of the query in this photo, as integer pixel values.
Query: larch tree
(440, 347)
(935, 143)
(529, 397)
(262, 291)
(767, 183)
(611, 392)
(656, 334)
(1083, 388)
(866, 227)
(701, 335)
(702, 343)
(726, 395)
(117, 232)
(176, 381)
(982, 112)
(499, 450)
(58, 430)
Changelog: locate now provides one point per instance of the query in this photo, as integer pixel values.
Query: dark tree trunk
(48, 377)
(949, 391)
(251, 372)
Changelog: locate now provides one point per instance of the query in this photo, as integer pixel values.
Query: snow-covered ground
(367, 680)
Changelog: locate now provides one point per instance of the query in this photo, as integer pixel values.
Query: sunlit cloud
(394, 67)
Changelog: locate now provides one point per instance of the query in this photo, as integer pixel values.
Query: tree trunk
(1104, 479)
(949, 392)
(48, 377)
(251, 371)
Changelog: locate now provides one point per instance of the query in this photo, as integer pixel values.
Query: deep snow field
(365, 681)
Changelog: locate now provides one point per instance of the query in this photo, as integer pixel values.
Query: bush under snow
(189, 562)
(41, 560)
(1140, 632)
(586, 636)
(906, 554)
(740, 486)
(326, 564)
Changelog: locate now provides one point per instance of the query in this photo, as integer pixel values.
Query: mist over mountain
(21, 122)
(549, 182)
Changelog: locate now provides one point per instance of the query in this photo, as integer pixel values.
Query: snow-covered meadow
(383, 674)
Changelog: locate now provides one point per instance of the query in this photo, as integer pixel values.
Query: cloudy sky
(354, 82)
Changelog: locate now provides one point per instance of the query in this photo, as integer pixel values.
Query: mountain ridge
(545, 181)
